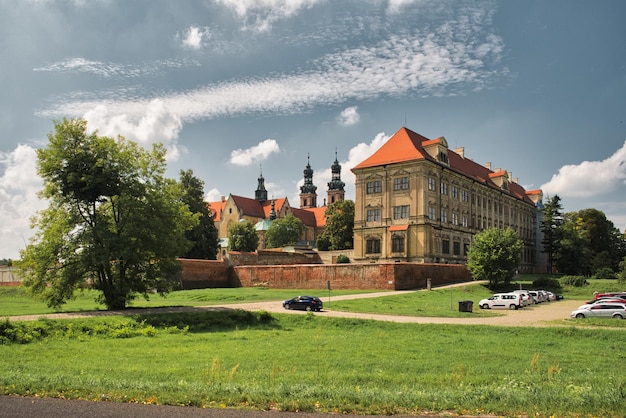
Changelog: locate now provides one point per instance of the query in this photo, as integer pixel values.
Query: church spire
(336, 190)
(308, 195)
(260, 193)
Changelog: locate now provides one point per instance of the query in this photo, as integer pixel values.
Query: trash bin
(466, 305)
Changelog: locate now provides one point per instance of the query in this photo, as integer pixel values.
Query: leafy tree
(495, 255)
(551, 227)
(339, 230)
(285, 231)
(204, 236)
(113, 221)
(600, 243)
(242, 237)
(574, 250)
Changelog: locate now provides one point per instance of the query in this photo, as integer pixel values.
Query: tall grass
(313, 363)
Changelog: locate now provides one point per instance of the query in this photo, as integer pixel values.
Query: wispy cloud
(260, 15)
(194, 37)
(349, 116)
(257, 153)
(589, 178)
(115, 70)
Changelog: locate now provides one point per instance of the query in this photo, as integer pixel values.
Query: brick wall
(385, 276)
(273, 257)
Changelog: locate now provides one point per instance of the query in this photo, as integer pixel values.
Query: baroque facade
(417, 200)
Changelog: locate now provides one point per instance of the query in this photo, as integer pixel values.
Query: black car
(307, 303)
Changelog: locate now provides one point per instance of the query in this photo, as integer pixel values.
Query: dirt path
(541, 315)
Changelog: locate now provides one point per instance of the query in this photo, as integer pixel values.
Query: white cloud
(260, 15)
(19, 185)
(157, 124)
(259, 152)
(589, 178)
(396, 6)
(193, 37)
(214, 195)
(349, 116)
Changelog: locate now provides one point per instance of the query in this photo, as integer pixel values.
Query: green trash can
(466, 305)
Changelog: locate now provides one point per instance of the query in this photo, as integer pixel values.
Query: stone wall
(201, 274)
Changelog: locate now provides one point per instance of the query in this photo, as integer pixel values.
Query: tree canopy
(551, 227)
(284, 231)
(204, 236)
(242, 237)
(339, 231)
(113, 222)
(495, 255)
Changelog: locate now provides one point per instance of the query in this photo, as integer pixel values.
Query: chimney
(488, 165)
(460, 151)
(223, 198)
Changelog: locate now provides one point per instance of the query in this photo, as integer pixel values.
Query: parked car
(525, 297)
(593, 302)
(609, 294)
(307, 303)
(601, 310)
(501, 301)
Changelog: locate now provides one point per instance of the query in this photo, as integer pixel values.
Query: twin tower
(308, 191)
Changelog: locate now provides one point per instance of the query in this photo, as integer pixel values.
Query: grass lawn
(240, 359)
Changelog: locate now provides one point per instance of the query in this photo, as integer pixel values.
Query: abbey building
(417, 200)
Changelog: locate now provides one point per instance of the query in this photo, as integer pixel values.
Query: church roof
(406, 145)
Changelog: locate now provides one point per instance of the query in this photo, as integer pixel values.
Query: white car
(602, 310)
(502, 301)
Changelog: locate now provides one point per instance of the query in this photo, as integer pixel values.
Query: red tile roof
(216, 209)
(406, 145)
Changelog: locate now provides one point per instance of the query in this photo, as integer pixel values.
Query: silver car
(601, 310)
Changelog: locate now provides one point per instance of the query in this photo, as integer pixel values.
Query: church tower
(260, 193)
(336, 190)
(308, 195)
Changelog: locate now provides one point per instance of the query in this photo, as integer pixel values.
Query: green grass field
(239, 359)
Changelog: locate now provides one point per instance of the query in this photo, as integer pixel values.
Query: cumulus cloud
(193, 38)
(589, 178)
(157, 124)
(214, 195)
(349, 116)
(19, 184)
(260, 15)
(259, 152)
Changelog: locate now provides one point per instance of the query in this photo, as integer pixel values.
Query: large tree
(113, 221)
(552, 229)
(339, 231)
(242, 237)
(285, 231)
(495, 255)
(203, 236)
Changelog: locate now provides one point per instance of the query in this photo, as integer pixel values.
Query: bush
(604, 273)
(342, 259)
(575, 281)
(547, 283)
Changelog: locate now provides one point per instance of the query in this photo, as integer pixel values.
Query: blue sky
(232, 87)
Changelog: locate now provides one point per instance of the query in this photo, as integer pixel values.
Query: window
(444, 188)
(464, 196)
(397, 244)
(465, 248)
(374, 187)
(455, 192)
(444, 216)
(465, 221)
(401, 212)
(456, 248)
(401, 183)
(445, 246)
(432, 186)
(373, 215)
(455, 218)
(372, 246)
(431, 213)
